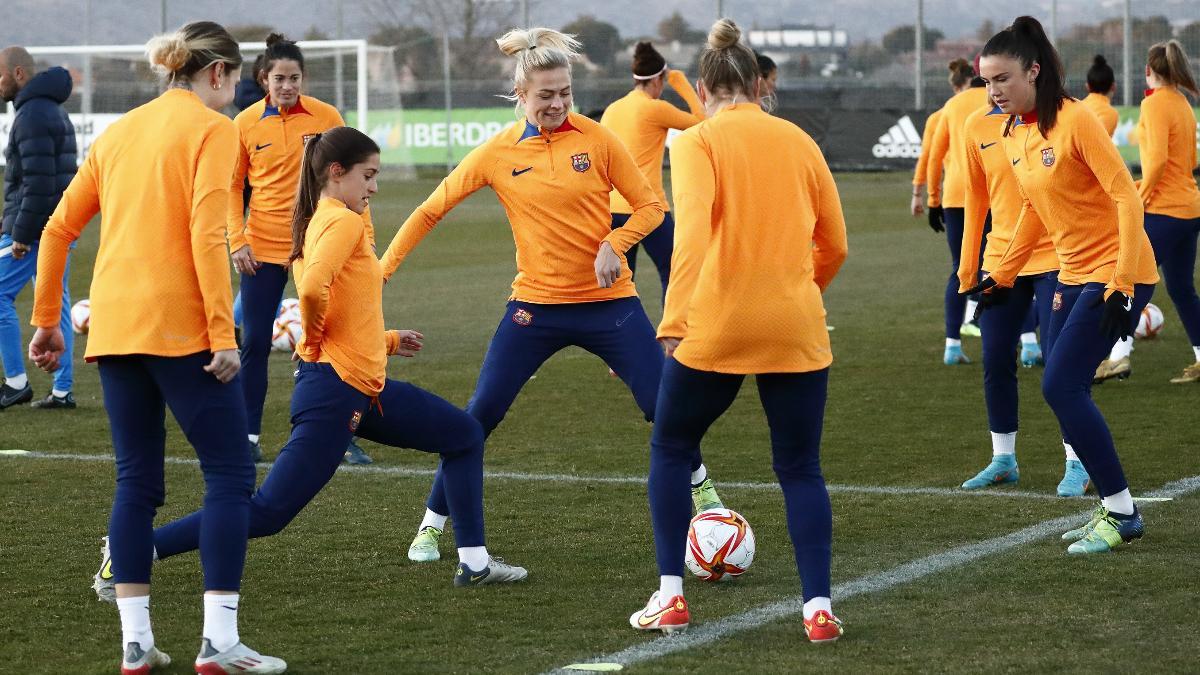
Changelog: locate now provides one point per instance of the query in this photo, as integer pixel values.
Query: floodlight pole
(525, 13)
(1127, 57)
(162, 16)
(1054, 22)
(337, 64)
(919, 47)
(449, 110)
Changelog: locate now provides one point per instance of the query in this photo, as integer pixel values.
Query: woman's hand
(669, 345)
(918, 204)
(410, 343)
(224, 365)
(608, 266)
(244, 261)
(46, 348)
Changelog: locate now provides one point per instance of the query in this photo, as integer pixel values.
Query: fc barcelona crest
(581, 162)
(522, 317)
(1057, 304)
(1048, 157)
(355, 420)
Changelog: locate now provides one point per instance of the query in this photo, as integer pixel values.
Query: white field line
(711, 631)
(408, 472)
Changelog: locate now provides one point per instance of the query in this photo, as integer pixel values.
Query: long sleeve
(628, 180)
(236, 207)
(938, 149)
(694, 190)
(472, 174)
(1153, 147)
(674, 118)
(931, 123)
(39, 168)
(210, 195)
(323, 259)
(1026, 234)
(974, 216)
(78, 205)
(829, 231)
(1101, 156)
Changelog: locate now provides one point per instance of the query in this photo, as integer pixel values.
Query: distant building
(803, 50)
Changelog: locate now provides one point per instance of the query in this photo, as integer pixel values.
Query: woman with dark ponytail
(641, 119)
(1074, 180)
(271, 134)
(342, 388)
(1101, 83)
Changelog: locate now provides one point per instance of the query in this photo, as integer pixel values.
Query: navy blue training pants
(1174, 243)
(260, 296)
(1001, 327)
(659, 244)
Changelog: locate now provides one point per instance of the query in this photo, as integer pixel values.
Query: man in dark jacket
(39, 164)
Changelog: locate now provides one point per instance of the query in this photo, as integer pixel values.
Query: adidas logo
(902, 140)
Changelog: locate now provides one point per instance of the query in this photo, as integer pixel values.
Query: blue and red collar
(297, 109)
(532, 130)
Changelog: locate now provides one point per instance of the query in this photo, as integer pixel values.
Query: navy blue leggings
(617, 331)
(260, 296)
(955, 305)
(326, 412)
(1079, 347)
(658, 244)
(1001, 327)
(137, 390)
(1174, 242)
(688, 403)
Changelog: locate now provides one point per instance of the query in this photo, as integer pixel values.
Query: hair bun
(958, 64)
(168, 53)
(275, 38)
(724, 34)
(1099, 61)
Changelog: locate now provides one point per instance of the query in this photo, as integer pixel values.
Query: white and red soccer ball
(720, 545)
(287, 330)
(81, 316)
(1150, 323)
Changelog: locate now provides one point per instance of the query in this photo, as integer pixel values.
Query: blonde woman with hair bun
(553, 172)
(165, 252)
(759, 228)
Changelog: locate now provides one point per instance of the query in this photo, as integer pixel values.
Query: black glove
(936, 220)
(998, 295)
(1117, 320)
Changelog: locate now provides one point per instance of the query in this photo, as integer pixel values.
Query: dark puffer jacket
(40, 157)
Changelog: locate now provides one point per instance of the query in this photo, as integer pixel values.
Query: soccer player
(161, 332)
(341, 380)
(271, 142)
(553, 172)
(1166, 135)
(760, 229)
(1072, 177)
(917, 206)
(769, 72)
(1101, 85)
(946, 205)
(641, 120)
(990, 183)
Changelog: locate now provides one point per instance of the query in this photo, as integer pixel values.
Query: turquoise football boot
(1002, 469)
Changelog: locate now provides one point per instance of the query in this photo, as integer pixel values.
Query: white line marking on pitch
(711, 631)
(408, 472)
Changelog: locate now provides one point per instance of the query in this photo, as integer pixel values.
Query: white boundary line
(408, 472)
(757, 617)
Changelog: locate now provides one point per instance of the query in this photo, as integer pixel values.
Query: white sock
(699, 475)
(433, 519)
(135, 621)
(1196, 350)
(970, 313)
(1122, 349)
(59, 393)
(669, 586)
(253, 437)
(474, 557)
(1070, 451)
(17, 381)
(220, 620)
(951, 342)
(815, 605)
(1121, 503)
(1004, 444)
(1029, 338)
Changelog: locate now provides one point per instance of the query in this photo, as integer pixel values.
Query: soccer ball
(720, 545)
(290, 307)
(286, 334)
(1149, 323)
(81, 316)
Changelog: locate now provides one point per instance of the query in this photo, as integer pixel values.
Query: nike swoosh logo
(623, 320)
(477, 577)
(646, 620)
(106, 572)
(1016, 161)
(985, 146)
(232, 609)
(518, 173)
(260, 147)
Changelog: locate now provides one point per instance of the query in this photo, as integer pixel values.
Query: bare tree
(471, 24)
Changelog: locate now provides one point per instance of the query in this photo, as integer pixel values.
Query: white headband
(643, 78)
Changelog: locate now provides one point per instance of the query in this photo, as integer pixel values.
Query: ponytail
(1026, 42)
(345, 146)
(960, 73)
(1100, 77)
(1168, 61)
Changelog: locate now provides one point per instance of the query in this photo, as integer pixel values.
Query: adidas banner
(863, 139)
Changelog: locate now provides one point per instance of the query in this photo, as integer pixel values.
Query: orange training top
(554, 187)
(1102, 106)
(159, 177)
(1084, 197)
(759, 234)
(931, 123)
(270, 150)
(992, 185)
(1167, 142)
(341, 298)
(948, 147)
(642, 123)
